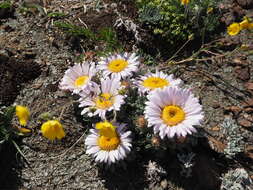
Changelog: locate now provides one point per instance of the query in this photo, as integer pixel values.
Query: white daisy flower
(173, 111)
(119, 65)
(109, 142)
(152, 81)
(78, 77)
(102, 99)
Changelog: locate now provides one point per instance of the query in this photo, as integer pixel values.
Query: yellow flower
(233, 29)
(185, 2)
(52, 129)
(23, 114)
(245, 24)
(244, 47)
(106, 129)
(108, 139)
(209, 10)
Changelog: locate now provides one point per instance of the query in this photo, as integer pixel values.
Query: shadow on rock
(205, 170)
(13, 73)
(131, 177)
(10, 165)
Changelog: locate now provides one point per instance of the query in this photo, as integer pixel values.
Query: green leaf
(56, 15)
(9, 113)
(5, 5)
(19, 150)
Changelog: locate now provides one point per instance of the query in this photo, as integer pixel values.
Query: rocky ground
(34, 54)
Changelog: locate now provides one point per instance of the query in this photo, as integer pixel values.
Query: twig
(85, 25)
(63, 109)
(65, 152)
(193, 57)
(61, 155)
(19, 150)
(174, 55)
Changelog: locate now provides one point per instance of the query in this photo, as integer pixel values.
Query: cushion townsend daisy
(156, 80)
(78, 77)
(119, 65)
(102, 99)
(173, 111)
(108, 143)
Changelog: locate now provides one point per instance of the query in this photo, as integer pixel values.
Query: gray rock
(245, 3)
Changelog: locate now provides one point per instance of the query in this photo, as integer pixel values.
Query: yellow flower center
(233, 29)
(172, 115)
(117, 65)
(108, 144)
(154, 82)
(104, 101)
(80, 81)
(108, 139)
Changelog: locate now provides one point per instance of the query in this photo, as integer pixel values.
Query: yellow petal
(23, 114)
(60, 133)
(106, 129)
(24, 130)
(185, 2)
(244, 24)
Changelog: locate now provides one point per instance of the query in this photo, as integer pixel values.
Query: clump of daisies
(50, 129)
(111, 92)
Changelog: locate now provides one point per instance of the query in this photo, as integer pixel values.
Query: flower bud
(141, 121)
(181, 140)
(125, 84)
(191, 37)
(209, 10)
(156, 141)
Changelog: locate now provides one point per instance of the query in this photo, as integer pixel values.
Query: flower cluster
(51, 129)
(234, 28)
(169, 109)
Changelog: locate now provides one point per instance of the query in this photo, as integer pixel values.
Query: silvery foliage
(129, 25)
(237, 179)
(150, 15)
(234, 136)
(187, 163)
(154, 171)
